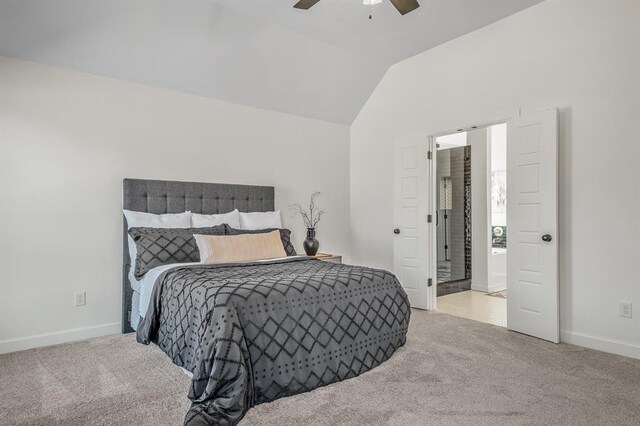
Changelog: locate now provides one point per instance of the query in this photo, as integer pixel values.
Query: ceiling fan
(403, 6)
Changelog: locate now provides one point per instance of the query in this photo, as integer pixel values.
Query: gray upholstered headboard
(159, 196)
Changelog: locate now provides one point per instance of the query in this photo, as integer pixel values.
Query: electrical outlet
(81, 298)
(625, 309)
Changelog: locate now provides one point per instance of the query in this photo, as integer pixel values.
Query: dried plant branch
(316, 219)
(310, 217)
(296, 209)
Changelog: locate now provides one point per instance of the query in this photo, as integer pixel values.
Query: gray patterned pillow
(164, 246)
(285, 236)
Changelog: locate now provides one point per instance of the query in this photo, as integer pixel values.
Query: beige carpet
(452, 371)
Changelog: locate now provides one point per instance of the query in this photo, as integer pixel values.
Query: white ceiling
(322, 63)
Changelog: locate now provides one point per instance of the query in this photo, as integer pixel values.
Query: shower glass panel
(453, 214)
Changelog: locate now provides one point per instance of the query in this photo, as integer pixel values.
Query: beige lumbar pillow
(239, 248)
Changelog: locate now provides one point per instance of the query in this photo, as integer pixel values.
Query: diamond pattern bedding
(252, 333)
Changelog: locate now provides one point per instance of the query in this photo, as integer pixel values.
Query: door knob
(546, 238)
(396, 231)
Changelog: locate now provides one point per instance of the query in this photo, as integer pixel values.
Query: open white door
(411, 198)
(532, 225)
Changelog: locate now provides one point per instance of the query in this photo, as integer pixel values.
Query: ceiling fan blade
(305, 4)
(404, 6)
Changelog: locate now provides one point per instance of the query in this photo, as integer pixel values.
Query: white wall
(68, 139)
(480, 208)
(578, 55)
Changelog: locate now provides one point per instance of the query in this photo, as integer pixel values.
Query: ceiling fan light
(369, 2)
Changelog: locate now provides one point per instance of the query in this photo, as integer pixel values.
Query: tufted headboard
(159, 196)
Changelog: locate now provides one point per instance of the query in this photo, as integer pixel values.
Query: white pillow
(260, 220)
(208, 220)
(150, 220)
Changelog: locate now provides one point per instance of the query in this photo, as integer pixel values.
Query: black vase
(311, 245)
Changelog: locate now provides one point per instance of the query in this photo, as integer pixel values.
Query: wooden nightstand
(326, 257)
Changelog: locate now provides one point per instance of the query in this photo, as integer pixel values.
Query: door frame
(433, 242)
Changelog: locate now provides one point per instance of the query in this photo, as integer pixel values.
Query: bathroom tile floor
(475, 305)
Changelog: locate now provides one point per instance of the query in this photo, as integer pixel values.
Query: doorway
(471, 231)
(532, 222)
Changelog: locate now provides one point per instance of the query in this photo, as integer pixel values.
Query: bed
(254, 332)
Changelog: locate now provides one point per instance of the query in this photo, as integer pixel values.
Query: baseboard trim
(600, 344)
(481, 288)
(55, 338)
(488, 289)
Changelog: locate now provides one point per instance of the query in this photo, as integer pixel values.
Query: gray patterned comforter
(252, 333)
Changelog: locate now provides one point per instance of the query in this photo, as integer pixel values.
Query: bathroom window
(499, 186)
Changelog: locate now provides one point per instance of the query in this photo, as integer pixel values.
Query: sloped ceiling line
(322, 63)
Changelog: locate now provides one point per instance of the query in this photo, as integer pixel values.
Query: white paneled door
(532, 225)
(410, 239)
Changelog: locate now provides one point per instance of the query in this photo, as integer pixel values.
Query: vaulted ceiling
(322, 63)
